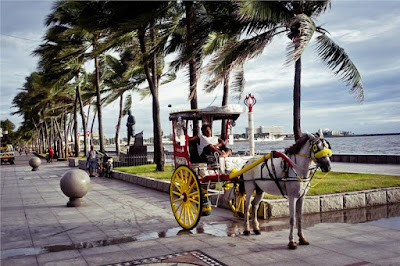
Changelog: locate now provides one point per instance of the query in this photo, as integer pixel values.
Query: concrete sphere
(35, 162)
(75, 183)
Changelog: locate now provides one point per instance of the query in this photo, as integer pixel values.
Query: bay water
(389, 145)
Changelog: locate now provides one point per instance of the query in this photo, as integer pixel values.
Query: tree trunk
(192, 63)
(225, 102)
(91, 128)
(152, 80)
(66, 136)
(121, 101)
(59, 138)
(42, 140)
(296, 100)
(76, 127)
(98, 103)
(78, 93)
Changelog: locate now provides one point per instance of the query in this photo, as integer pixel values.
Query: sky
(369, 32)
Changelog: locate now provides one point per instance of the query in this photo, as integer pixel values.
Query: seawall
(370, 159)
(280, 207)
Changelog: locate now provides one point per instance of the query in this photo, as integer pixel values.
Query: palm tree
(216, 42)
(79, 22)
(41, 105)
(121, 76)
(268, 19)
(151, 23)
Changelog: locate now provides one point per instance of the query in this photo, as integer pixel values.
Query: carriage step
(206, 210)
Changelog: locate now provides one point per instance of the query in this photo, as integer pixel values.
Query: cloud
(369, 32)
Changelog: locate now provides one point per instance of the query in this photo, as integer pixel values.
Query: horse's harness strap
(272, 175)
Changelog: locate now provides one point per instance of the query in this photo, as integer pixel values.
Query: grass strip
(334, 182)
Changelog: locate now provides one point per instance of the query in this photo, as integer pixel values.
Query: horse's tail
(241, 185)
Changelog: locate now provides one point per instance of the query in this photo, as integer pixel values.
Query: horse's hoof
(246, 233)
(257, 232)
(303, 241)
(292, 245)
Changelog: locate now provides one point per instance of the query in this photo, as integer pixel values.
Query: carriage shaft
(236, 173)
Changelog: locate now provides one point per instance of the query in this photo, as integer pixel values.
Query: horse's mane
(296, 147)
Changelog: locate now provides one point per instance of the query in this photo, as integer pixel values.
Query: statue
(130, 124)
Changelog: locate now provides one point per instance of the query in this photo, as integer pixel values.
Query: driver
(208, 144)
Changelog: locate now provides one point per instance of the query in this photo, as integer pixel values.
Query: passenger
(208, 145)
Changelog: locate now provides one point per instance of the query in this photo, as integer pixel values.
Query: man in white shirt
(208, 144)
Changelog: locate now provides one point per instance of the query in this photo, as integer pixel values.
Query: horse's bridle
(320, 148)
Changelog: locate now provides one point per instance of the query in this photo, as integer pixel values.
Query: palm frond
(212, 84)
(145, 92)
(238, 83)
(320, 7)
(127, 104)
(168, 77)
(339, 62)
(305, 28)
(236, 53)
(259, 15)
(215, 42)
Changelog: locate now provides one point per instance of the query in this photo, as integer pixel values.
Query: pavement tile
(109, 257)
(58, 256)
(67, 262)
(51, 241)
(229, 260)
(24, 261)
(100, 250)
(15, 244)
(389, 261)
(183, 243)
(265, 258)
(332, 258)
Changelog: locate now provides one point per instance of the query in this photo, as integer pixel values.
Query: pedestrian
(92, 161)
(51, 153)
(130, 124)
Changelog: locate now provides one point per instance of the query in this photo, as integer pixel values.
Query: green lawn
(148, 170)
(334, 182)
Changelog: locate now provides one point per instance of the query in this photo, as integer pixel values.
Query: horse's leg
(299, 212)
(292, 244)
(249, 187)
(256, 205)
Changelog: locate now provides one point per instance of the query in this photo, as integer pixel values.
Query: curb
(280, 207)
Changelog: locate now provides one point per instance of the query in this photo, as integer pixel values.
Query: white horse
(292, 177)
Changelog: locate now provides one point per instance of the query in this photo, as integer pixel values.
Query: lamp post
(250, 101)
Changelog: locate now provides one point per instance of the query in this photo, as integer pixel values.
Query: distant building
(333, 133)
(275, 130)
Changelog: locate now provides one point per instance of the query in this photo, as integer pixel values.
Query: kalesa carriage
(194, 182)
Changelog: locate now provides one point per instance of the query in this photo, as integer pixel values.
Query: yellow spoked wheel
(237, 203)
(185, 195)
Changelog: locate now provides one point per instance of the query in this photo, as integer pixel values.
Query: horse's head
(320, 151)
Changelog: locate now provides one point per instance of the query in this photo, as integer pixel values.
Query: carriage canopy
(231, 111)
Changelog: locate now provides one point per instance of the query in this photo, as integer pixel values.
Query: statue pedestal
(137, 153)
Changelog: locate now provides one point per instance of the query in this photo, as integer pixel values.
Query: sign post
(250, 101)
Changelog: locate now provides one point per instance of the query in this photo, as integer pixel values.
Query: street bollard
(75, 184)
(35, 162)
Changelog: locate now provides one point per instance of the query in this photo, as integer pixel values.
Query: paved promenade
(127, 223)
(385, 169)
